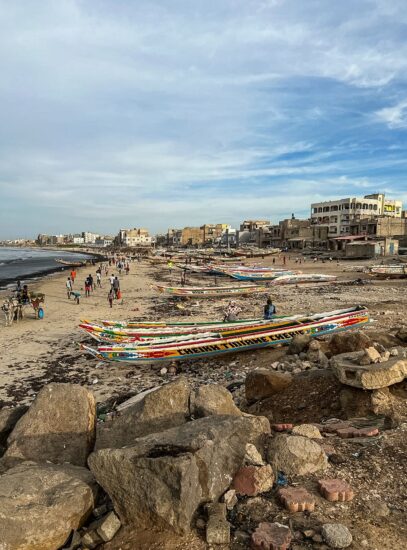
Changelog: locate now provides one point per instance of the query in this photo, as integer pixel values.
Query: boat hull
(208, 347)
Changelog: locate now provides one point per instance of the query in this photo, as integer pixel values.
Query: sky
(154, 113)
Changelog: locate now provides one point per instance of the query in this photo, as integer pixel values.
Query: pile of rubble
(185, 460)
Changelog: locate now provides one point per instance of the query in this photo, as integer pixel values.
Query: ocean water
(26, 263)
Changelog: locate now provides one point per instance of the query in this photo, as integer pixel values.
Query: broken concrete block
(108, 527)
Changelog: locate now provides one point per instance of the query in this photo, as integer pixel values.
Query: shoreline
(36, 276)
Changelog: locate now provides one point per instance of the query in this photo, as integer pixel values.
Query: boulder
(307, 430)
(151, 412)
(401, 334)
(299, 343)
(162, 479)
(372, 355)
(9, 417)
(336, 535)
(263, 383)
(296, 455)
(348, 342)
(252, 456)
(349, 371)
(58, 427)
(42, 503)
(213, 399)
(318, 356)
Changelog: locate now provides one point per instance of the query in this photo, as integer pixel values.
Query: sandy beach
(35, 352)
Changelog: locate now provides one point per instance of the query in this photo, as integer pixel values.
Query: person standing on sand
(170, 266)
(69, 287)
(98, 279)
(269, 309)
(91, 282)
(87, 287)
(73, 275)
(231, 312)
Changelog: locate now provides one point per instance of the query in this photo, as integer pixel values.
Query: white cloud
(394, 117)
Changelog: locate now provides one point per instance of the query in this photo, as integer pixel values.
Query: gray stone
(230, 499)
(296, 455)
(58, 427)
(252, 456)
(348, 342)
(9, 416)
(213, 399)
(163, 478)
(151, 412)
(307, 430)
(336, 535)
(299, 343)
(42, 503)
(108, 527)
(263, 383)
(319, 357)
(348, 370)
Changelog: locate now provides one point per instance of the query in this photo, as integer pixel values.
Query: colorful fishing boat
(259, 276)
(103, 333)
(282, 331)
(70, 263)
(210, 291)
(303, 279)
(396, 271)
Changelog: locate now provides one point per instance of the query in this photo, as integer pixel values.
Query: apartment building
(134, 237)
(192, 236)
(339, 214)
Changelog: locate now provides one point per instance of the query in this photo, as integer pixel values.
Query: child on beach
(87, 287)
(76, 296)
(73, 275)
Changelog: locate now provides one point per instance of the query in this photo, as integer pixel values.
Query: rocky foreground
(313, 457)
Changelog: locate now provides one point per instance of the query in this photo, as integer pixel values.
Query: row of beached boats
(146, 342)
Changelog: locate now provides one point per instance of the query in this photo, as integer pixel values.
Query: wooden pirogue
(210, 291)
(123, 334)
(188, 347)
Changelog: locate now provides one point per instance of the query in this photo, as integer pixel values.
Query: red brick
(335, 490)
(271, 536)
(282, 427)
(346, 433)
(297, 499)
(253, 480)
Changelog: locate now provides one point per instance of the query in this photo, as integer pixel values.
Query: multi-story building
(89, 238)
(212, 233)
(105, 241)
(174, 237)
(192, 236)
(134, 237)
(339, 214)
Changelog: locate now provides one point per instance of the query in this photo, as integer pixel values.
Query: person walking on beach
(69, 287)
(269, 309)
(87, 287)
(110, 297)
(111, 279)
(116, 287)
(91, 282)
(73, 275)
(170, 266)
(99, 279)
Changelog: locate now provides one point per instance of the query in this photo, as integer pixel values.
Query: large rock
(299, 343)
(9, 416)
(150, 412)
(263, 383)
(40, 504)
(401, 334)
(348, 342)
(162, 478)
(336, 535)
(296, 455)
(58, 427)
(213, 399)
(348, 370)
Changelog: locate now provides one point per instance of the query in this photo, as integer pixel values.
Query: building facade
(340, 214)
(134, 237)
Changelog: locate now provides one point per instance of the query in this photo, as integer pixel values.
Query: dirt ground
(36, 352)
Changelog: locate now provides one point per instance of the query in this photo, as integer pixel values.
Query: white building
(89, 238)
(78, 240)
(103, 242)
(338, 214)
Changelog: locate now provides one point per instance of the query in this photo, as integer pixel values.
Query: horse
(13, 311)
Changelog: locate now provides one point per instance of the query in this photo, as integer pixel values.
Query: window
(358, 206)
(364, 206)
(346, 206)
(370, 206)
(315, 210)
(320, 209)
(375, 207)
(326, 208)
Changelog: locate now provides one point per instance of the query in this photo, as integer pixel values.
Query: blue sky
(170, 113)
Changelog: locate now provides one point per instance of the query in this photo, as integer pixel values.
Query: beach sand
(35, 352)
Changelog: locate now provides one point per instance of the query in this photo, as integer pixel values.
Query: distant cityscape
(371, 222)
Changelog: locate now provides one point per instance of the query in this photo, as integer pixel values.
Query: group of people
(233, 309)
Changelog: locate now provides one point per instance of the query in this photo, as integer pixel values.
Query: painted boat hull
(210, 292)
(317, 325)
